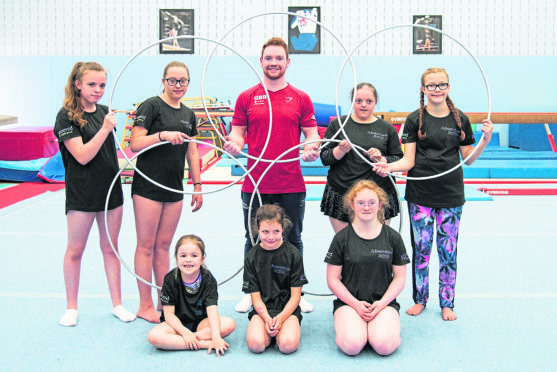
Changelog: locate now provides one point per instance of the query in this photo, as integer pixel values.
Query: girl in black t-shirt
(190, 319)
(436, 136)
(366, 271)
(274, 276)
(157, 211)
(366, 130)
(84, 129)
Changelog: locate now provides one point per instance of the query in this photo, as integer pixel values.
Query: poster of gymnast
(304, 36)
(427, 41)
(176, 22)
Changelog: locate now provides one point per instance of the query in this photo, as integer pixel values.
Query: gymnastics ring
(260, 158)
(467, 51)
(122, 262)
(268, 138)
(114, 133)
(276, 160)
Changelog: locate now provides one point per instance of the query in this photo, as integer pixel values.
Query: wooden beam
(477, 117)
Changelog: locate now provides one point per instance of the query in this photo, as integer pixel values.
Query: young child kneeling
(190, 318)
(274, 276)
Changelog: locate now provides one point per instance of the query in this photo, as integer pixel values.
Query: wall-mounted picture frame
(176, 22)
(426, 41)
(304, 36)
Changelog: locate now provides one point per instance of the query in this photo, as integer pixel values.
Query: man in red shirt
(293, 114)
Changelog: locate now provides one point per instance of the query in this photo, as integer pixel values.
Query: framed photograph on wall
(426, 41)
(176, 22)
(304, 36)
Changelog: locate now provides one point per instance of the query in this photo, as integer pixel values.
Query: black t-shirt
(273, 273)
(164, 163)
(367, 264)
(87, 185)
(351, 168)
(189, 307)
(438, 152)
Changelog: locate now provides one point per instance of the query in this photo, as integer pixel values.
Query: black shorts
(337, 304)
(272, 313)
(192, 326)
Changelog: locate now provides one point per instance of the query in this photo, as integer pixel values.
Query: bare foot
(415, 310)
(448, 314)
(151, 315)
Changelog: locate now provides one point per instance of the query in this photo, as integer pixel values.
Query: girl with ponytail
(84, 132)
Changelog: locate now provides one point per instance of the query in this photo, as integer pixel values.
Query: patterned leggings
(422, 220)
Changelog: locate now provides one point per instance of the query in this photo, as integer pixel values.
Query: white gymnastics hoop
(477, 62)
(260, 158)
(268, 136)
(110, 109)
(293, 148)
(122, 262)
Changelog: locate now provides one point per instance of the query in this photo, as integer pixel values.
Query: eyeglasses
(362, 203)
(432, 87)
(172, 82)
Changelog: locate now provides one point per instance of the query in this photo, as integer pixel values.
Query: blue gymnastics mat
(494, 163)
(315, 193)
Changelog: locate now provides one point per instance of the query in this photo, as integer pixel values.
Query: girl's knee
(256, 345)
(385, 345)
(154, 337)
(288, 345)
(350, 346)
(228, 325)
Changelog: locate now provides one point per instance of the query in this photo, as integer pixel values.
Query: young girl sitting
(366, 272)
(274, 276)
(190, 319)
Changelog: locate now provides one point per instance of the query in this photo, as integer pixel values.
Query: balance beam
(477, 117)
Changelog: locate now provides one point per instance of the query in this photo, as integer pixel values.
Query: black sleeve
(326, 155)
(250, 284)
(212, 294)
(469, 138)
(410, 130)
(64, 129)
(168, 297)
(335, 254)
(394, 151)
(145, 114)
(297, 274)
(400, 257)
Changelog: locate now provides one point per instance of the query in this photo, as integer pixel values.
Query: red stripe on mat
(518, 191)
(22, 191)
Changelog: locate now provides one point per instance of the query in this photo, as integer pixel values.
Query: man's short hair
(276, 41)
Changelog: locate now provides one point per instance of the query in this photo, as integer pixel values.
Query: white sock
(69, 319)
(121, 313)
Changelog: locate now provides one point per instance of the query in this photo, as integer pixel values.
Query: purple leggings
(422, 220)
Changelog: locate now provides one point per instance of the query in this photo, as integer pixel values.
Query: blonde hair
(450, 104)
(72, 101)
(359, 186)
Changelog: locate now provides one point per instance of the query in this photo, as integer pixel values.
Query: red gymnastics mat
(23, 191)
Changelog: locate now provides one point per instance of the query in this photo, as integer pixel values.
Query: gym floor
(506, 295)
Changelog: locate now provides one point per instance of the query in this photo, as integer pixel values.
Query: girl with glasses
(84, 132)
(435, 137)
(346, 167)
(366, 271)
(157, 211)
